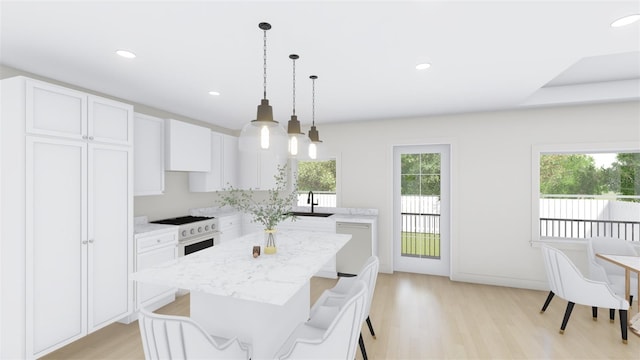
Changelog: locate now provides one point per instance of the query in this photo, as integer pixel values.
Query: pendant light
(314, 136)
(297, 139)
(263, 133)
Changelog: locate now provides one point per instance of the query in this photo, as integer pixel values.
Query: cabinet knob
(90, 137)
(84, 242)
(84, 137)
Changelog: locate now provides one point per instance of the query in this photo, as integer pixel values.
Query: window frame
(566, 148)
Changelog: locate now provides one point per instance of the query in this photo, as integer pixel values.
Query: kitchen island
(259, 300)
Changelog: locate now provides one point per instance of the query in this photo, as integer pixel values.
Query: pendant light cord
(313, 102)
(294, 86)
(265, 63)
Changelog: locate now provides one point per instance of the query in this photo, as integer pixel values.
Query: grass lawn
(421, 244)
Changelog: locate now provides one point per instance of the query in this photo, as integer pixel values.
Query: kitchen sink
(314, 214)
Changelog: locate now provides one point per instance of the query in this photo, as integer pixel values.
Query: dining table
(260, 300)
(630, 264)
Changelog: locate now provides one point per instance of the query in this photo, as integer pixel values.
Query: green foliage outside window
(420, 174)
(317, 176)
(577, 174)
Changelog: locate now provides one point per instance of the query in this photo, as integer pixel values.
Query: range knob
(206, 228)
(199, 229)
(193, 231)
(184, 232)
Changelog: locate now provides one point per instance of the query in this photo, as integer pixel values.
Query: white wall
(491, 165)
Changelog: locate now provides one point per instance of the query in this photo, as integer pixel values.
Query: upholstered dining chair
(566, 281)
(369, 274)
(333, 333)
(178, 337)
(602, 270)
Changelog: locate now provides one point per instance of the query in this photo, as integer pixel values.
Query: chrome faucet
(310, 200)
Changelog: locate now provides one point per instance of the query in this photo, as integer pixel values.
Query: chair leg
(567, 314)
(546, 302)
(364, 352)
(612, 315)
(630, 301)
(594, 313)
(371, 327)
(623, 325)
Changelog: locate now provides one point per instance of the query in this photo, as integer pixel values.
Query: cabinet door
(149, 292)
(187, 147)
(56, 111)
(110, 121)
(211, 180)
(56, 243)
(268, 169)
(249, 164)
(110, 233)
(148, 155)
(229, 161)
(257, 170)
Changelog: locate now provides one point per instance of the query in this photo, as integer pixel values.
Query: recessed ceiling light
(126, 54)
(627, 20)
(214, 93)
(423, 66)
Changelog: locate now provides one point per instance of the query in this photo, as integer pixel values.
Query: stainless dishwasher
(353, 255)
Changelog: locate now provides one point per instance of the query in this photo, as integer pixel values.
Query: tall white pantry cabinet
(67, 215)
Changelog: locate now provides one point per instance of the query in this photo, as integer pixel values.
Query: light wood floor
(422, 317)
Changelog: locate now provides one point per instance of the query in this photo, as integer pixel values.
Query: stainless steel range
(195, 233)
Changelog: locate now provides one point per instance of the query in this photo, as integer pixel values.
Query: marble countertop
(143, 227)
(229, 269)
(339, 214)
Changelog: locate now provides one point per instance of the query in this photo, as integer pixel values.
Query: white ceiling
(484, 55)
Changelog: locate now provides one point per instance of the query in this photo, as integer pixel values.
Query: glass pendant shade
(314, 143)
(262, 137)
(264, 133)
(298, 141)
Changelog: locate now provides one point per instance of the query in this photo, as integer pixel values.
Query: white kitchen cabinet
(148, 153)
(187, 147)
(154, 249)
(57, 111)
(224, 165)
(229, 161)
(257, 170)
(70, 230)
(230, 226)
(78, 238)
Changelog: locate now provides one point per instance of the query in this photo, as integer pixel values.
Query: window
(586, 193)
(320, 177)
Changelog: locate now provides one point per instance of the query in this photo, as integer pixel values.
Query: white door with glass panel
(421, 209)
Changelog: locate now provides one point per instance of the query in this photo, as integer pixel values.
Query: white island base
(265, 326)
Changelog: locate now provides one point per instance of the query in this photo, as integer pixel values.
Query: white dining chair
(178, 337)
(334, 333)
(566, 281)
(369, 274)
(602, 270)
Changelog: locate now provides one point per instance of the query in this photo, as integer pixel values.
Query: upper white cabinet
(229, 161)
(224, 165)
(187, 147)
(258, 170)
(57, 111)
(148, 152)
